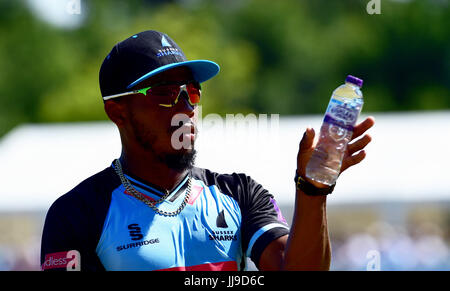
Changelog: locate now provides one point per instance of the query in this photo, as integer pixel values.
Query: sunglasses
(167, 94)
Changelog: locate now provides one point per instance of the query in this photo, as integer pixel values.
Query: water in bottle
(336, 132)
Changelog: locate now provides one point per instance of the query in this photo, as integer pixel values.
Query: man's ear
(116, 112)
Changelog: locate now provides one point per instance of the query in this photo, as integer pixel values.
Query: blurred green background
(281, 57)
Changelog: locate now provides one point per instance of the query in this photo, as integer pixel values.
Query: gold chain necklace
(152, 204)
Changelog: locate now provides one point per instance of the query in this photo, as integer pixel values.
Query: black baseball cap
(144, 55)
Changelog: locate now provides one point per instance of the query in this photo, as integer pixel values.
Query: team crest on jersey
(224, 234)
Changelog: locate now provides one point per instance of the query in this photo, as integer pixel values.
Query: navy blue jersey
(99, 226)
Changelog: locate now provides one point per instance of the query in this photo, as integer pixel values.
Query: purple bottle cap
(352, 79)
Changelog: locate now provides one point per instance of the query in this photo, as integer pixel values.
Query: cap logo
(164, 41)
(167, 49)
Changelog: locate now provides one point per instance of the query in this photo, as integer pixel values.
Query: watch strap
(309, 189)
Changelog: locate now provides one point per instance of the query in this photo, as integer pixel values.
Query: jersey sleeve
(66, 245)
(74, 224)
(262, 222)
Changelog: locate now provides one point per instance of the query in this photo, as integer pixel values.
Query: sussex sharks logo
(164, 42)
(167, 49)
(222, 235)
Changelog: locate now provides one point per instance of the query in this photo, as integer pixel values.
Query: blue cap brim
(202, 70)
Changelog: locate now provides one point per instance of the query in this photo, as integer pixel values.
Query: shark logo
(223, 234)
(167, 49)
(164, 42)
(220, 221)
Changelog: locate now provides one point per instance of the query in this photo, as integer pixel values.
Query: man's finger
(363, 126)
(359, 144)
(353, 160)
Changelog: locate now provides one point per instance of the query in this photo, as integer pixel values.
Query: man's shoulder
(238, 185)
(211, 178)
(92, 191)
(75, 220)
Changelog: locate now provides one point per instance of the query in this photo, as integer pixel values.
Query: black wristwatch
(309, 189)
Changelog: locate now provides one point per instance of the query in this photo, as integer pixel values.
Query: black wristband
(309, 189)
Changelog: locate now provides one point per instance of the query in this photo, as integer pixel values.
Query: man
(153, 210)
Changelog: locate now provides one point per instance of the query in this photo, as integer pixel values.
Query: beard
(178, 161)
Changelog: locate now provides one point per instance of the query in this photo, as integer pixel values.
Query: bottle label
(341, 114)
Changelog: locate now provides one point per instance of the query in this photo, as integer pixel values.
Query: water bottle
(336, 132)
